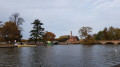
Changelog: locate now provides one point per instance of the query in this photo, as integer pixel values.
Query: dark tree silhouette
(108, 34)
(37, 31)
(15, 18)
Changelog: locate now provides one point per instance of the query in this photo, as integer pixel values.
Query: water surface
(61, 56)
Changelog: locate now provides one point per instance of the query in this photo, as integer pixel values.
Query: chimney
(71, 33)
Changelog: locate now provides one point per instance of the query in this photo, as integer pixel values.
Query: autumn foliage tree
(15, 17)
(108, 34)
(49, 36)
(10, 32)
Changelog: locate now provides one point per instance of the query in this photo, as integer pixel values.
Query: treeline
(11, 30)
(110, 33)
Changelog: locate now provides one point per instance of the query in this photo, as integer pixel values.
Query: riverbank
(26, 45)
(9, 46)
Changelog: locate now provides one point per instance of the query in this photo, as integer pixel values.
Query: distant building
(64, 38)
(69, 38)
(73, 39)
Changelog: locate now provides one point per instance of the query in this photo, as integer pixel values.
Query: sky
(62, 16)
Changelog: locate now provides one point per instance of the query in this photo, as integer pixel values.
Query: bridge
(109, 41)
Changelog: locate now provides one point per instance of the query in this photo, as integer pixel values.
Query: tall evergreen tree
(105, 32)
(38, 31)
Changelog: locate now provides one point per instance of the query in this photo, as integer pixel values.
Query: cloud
(63, 16)
(106, 4)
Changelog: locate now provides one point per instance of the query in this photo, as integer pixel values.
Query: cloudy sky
(63, 16)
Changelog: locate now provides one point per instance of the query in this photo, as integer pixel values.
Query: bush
(88, 41)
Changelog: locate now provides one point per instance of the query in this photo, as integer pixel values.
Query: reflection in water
(61, 56)
(9, 57)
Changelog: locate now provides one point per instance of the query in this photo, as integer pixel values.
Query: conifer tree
(38, 31)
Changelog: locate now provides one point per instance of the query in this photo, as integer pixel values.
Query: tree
(99, 36)
(102, 35)
(111, 33)
(10, 32)
(89, 40)
(114, 33)
(108, 34)
(117, 34)
(49, 36)
(16, 19)
(84, 31)
(105, 35)
(38, 31)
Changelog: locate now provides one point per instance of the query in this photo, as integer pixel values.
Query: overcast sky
(63, 16)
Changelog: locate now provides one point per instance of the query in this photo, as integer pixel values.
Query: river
(61, 56)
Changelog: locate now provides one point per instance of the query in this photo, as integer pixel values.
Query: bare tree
(84, 31)
(16, 19)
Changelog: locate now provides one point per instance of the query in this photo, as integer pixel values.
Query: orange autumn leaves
(49, 36)
(10, 31)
